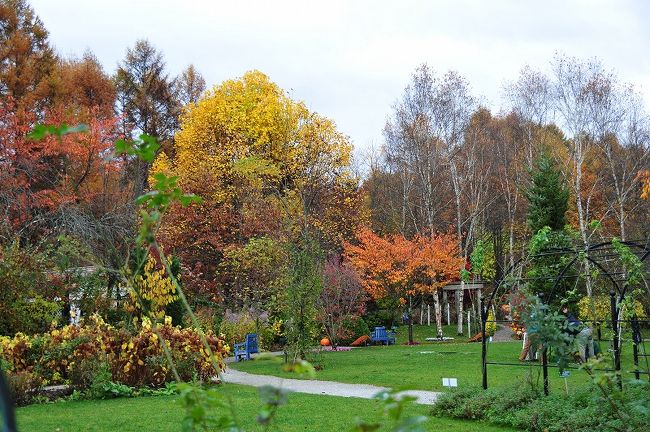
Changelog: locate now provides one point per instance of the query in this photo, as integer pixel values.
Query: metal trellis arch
(606, 260)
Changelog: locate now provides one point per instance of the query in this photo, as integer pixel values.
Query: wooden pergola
(456, 287)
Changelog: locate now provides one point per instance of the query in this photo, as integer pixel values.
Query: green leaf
(188, 199)
(40, 131)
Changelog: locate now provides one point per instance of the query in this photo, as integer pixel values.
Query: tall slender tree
(189, 86)
(548, 196)
(146, 101)
(26, 57)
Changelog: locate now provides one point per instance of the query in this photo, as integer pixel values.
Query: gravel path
(330, 388)
(503, 334)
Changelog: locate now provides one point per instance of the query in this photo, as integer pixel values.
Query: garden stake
(617, 353)
(545, 369)
(483, 345)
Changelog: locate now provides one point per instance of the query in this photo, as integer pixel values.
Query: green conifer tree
(548, 199)
(548, 196)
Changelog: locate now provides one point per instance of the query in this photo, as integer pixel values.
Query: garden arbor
(612, 269)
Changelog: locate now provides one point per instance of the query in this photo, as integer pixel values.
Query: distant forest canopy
(449, 163)
(268, 168)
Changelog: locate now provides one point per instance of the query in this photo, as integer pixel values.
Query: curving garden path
(331, 388)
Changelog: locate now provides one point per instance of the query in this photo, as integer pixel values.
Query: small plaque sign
(450, 382)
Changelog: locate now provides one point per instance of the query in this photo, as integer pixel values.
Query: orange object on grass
(361, 340)
(325, 342)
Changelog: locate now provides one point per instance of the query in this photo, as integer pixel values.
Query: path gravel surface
(331, 388)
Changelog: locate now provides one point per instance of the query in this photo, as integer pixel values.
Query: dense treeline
(450, 164)
(272, 174)
(276, 178)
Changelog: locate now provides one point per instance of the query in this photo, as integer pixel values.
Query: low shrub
(79, 355)
(85, 372)
(235, 325)
(352, 329)
(524, 408)
(381, 317)
(22, 387)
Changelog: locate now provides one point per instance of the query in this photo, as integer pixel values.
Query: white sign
(450, 382)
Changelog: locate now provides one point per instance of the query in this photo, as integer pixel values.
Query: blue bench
(380, 334)
(244, 349)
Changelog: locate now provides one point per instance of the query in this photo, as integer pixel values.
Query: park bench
(244, 349)
(380, 334)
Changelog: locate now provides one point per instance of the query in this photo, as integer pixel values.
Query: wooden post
(445, 302)
(448, 315)
(458, 295)
(422, 311)
(469, 327)
(410, 300)
(459, 312)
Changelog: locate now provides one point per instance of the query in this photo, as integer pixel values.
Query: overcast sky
(350, 60)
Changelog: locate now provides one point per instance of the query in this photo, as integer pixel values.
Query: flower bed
(74, 354)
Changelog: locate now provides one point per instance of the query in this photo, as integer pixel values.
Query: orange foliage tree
(396, 266)
(41, 179)
(645, 181)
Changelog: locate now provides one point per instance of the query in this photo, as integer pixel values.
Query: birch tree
(583, 94)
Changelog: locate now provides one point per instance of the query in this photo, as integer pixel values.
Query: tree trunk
(410, 299)
(582, 223)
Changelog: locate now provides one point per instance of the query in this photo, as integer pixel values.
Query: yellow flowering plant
(135, 358)
(152, 291)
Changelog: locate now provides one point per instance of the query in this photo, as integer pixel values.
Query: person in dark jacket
(583, 334)
(574, 323)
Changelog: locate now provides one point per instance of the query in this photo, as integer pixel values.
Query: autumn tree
(341, 300)
(415, 152)
(189, 86)
(644, 176)
(304, 286)
(45, 178)
(436, 263)
(626, 151)
(382, 264)
(583, 95)
(530, 98)
(395, 266)
(26, 58)
(430, 147)
(82, 87)
(51, 187)
(146, 101)
(266, 167)
(254, 274)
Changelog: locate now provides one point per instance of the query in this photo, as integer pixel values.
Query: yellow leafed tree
(153, 291)
(264, 165)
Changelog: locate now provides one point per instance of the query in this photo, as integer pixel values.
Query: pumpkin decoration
(325, 342)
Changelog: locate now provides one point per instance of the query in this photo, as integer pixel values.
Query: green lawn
(421, 332)
(302, 413)
(423, 366)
